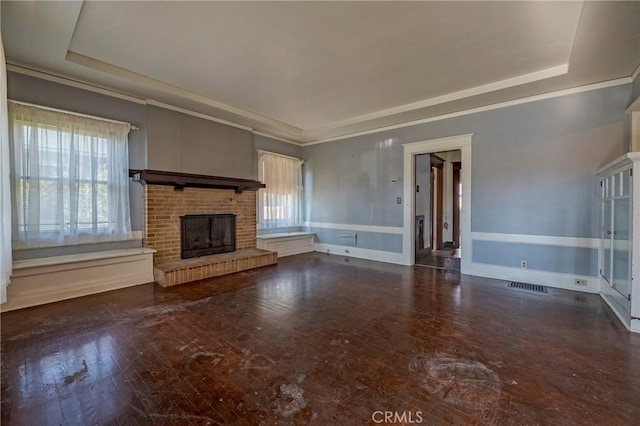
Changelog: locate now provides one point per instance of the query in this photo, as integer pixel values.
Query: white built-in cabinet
(619, 254)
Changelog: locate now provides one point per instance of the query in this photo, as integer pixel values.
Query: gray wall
(636, 88)
(183, 143)
(167, 140)
(533, 171)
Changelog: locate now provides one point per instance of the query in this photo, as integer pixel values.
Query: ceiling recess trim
(197, 114)
(636, 73)
(534, 98)
(71, 82)
(310, 134)
(105, 67)
(278, 138)
(449, 97)
(90, 87)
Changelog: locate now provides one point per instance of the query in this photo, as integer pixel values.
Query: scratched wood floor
(322, 340)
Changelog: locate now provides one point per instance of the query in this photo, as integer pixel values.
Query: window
(70, 178)
(280, 203)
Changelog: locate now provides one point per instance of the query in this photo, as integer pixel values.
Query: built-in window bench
(50, 279)
(287, 243)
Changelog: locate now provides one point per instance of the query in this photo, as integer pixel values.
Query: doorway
(436, 207)
(456, 202)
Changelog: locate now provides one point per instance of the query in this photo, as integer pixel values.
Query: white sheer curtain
(71, 177)
(280, 203)
(5, 184)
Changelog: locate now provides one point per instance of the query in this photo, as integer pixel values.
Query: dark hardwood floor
(323, 340)
(436, 258)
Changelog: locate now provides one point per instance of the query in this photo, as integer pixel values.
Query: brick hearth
(163, 208)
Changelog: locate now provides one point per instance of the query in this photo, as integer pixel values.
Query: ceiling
(308, 71)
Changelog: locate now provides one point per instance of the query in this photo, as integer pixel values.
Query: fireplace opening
(204, 234)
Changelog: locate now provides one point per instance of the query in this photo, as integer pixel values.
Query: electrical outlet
(399, 200)
(580, 282)
(524, 264)
(346, 251)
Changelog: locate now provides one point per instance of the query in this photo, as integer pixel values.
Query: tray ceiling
(313, 70)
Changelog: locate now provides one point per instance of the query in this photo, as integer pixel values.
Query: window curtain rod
(262, 151)
(133, 127)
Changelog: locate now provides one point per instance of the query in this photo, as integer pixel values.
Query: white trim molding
(356, 228)
(546, 240)
(360, 253)
(449, 97)
(114, 70)
(498, 105)
(90, 87)
(197, 114)
(550, 279)
(30, 71)
(285, 130)
(634, 117)
(277, 138)
(288, 243)
(463, 143)
(45, 280)
(635, 73)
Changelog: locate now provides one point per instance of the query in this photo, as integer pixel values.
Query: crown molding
(534, 98)
(149, 82)
(94, 88)
(197, 114)
(635, 73)
(267, 135)
(85, 85)
(449, 97)
(41, 74)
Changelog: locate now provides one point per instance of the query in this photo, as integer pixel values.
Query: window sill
(75, 258)
(283, 235)
(21, 245)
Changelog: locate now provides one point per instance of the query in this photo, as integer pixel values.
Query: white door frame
(463, 143)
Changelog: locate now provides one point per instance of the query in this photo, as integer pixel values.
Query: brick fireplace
(164, 206)
(170, 196)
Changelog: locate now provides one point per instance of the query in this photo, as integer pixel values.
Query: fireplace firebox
(205, 234)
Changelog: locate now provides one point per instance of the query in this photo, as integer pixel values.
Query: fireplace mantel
(182, 180)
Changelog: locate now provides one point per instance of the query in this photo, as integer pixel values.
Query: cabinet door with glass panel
(616, 232)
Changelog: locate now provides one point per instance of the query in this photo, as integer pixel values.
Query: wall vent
(529, 287)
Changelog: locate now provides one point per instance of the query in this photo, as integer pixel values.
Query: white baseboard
(360, 253)
(550, 279)
(616, 310)
(46, 282)
(532, 276)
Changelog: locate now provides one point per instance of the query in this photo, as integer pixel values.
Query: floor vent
(530, 287)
